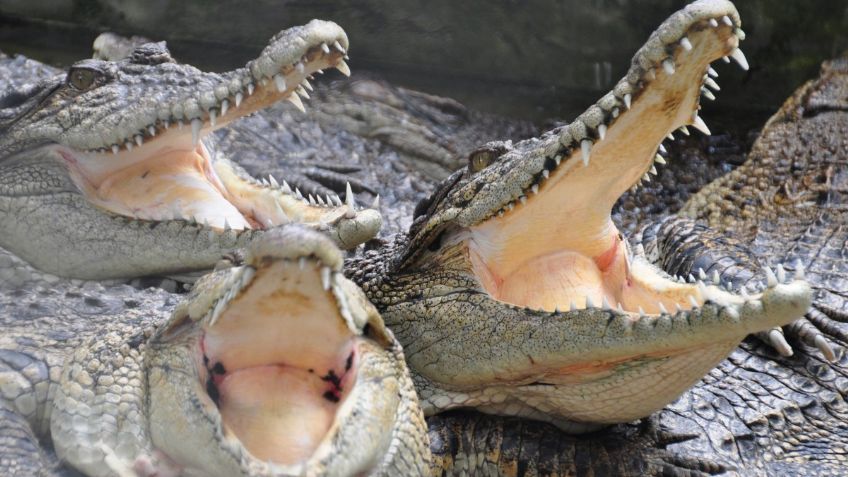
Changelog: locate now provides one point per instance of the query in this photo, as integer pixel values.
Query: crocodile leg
(22, 455)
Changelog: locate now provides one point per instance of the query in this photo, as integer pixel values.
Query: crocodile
(279, 366)
(107, 171)
(513, 291)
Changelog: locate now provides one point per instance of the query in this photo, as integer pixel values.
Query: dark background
(533, 59)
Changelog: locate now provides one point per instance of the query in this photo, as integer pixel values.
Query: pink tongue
(278, 412)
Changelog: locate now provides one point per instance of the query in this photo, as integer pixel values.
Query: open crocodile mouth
(163, 171)
(556, 247)
(279, 362)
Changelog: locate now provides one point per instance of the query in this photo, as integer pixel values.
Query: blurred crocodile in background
(228, 385)
(104, 174)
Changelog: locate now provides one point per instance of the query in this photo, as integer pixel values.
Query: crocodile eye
(81, 78)
(480, 160)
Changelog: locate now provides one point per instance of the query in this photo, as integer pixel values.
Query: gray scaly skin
(89, 186)
(514, 293)
(117, 398)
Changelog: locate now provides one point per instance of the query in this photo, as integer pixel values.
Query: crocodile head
(88, 158)
(280, 367)
(516, 294)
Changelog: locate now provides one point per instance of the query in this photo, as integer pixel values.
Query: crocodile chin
(163, 170)
(280, 363)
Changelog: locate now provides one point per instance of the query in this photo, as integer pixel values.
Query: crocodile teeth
(297, 193)
(693, 301)
(707, 94)
(195, 131)
(627, 99)
(212, 117)
(781, 274)
(686, 44)
(151, 130)
(605, 304)
(586, 149)
(716, 277)
(115, 149)
(286, 187)
(663, 310)
(239, 98)
(711, 83)
(250, 88)
(653, 170)
(668, 66)
(589, 303)
(295, 100)
(602, 131)
(337, 200)
(128, 145)
(343, 68)
(306, 84)
(319, 200)
(662, 149)
(273, 181)
(799, 270)
(726, 20)
(659, 159)
(301, 91)
(325, 48)
(338, 46)
(301, 263)
(771, 280)
(670, 136)
(139, 140)
(713, 23)
(349, 200)
(224, 106)
(280, 81)
(700, 125)
(712, 72)
(739, 57)
(546, 173)
(325, 277)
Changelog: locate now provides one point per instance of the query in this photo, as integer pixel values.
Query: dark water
(536, 59)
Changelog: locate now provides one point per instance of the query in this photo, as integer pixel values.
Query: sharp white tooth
(302, 92)
(627, 99)
(653, 170)
(306, 84)
(712, 72)
(619, 308)
(325, 48)
(586, 149)
(280, 81)
(301, 263)
(225, 105)
(605, 304)
(180, 124)
(535, 188)
(510, 206)
(546, 173)
(338, 46)
(690, 278)
(684, 130)
(725, 59)
(286, 187)
(337, 199)
(151, 130)
(700, 125)
(320, 200)
(139, 140)
(615, 112)
(343, 67)
(376, 204)
(297, 193)
(129, 145)
(311, 199)
(558, 159)
(166, 124)
(662, 149)
(212, 117)
(726, 20)
(523, 199)
(702, 274)
(781, 274)
(325, 277)
(250, 88)
(641, 312)
(299, 67)
(273, 181)
(239, 98)
(693, 301)
(195, 131)
(799, 270)
(713, 22)
(668, 66)
(711, 83)
(670, 136)
(115, 149)
(739, 57)
(349, 200)
(295, 100)
(662, 308)
(686, 44)
(771, 280)
(265, 182)
(716, 278)
(589, 303)
(602, 131)
(226, 225)
(572, 306)
(707, 94)
(677, 308)
(646, 177)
